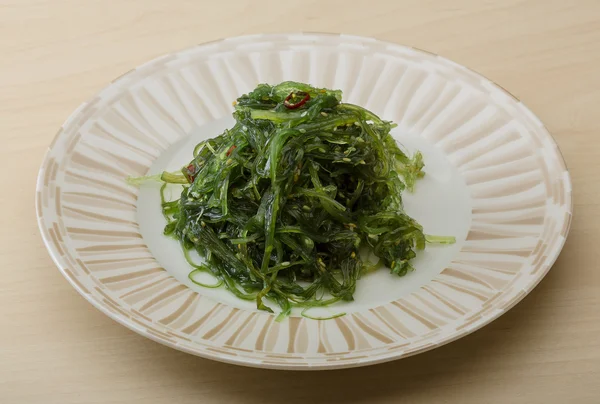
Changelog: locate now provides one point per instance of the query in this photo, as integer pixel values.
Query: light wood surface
(56, 348)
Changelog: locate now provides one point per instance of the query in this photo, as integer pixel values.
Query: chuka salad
(281, 205)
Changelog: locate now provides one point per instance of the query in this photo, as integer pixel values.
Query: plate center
(440, 203)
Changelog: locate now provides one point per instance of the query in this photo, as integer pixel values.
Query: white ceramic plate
(495, 180)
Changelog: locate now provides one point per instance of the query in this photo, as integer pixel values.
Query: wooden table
(56, 348)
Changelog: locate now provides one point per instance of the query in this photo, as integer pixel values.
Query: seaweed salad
(280, 205)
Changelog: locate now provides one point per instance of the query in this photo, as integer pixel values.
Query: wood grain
(56, 348)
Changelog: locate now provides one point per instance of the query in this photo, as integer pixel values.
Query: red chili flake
(292, 105)
(231, 149)
(191, 172)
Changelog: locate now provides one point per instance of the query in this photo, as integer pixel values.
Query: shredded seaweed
(192, 274)
(303, 314)
(280, 204)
